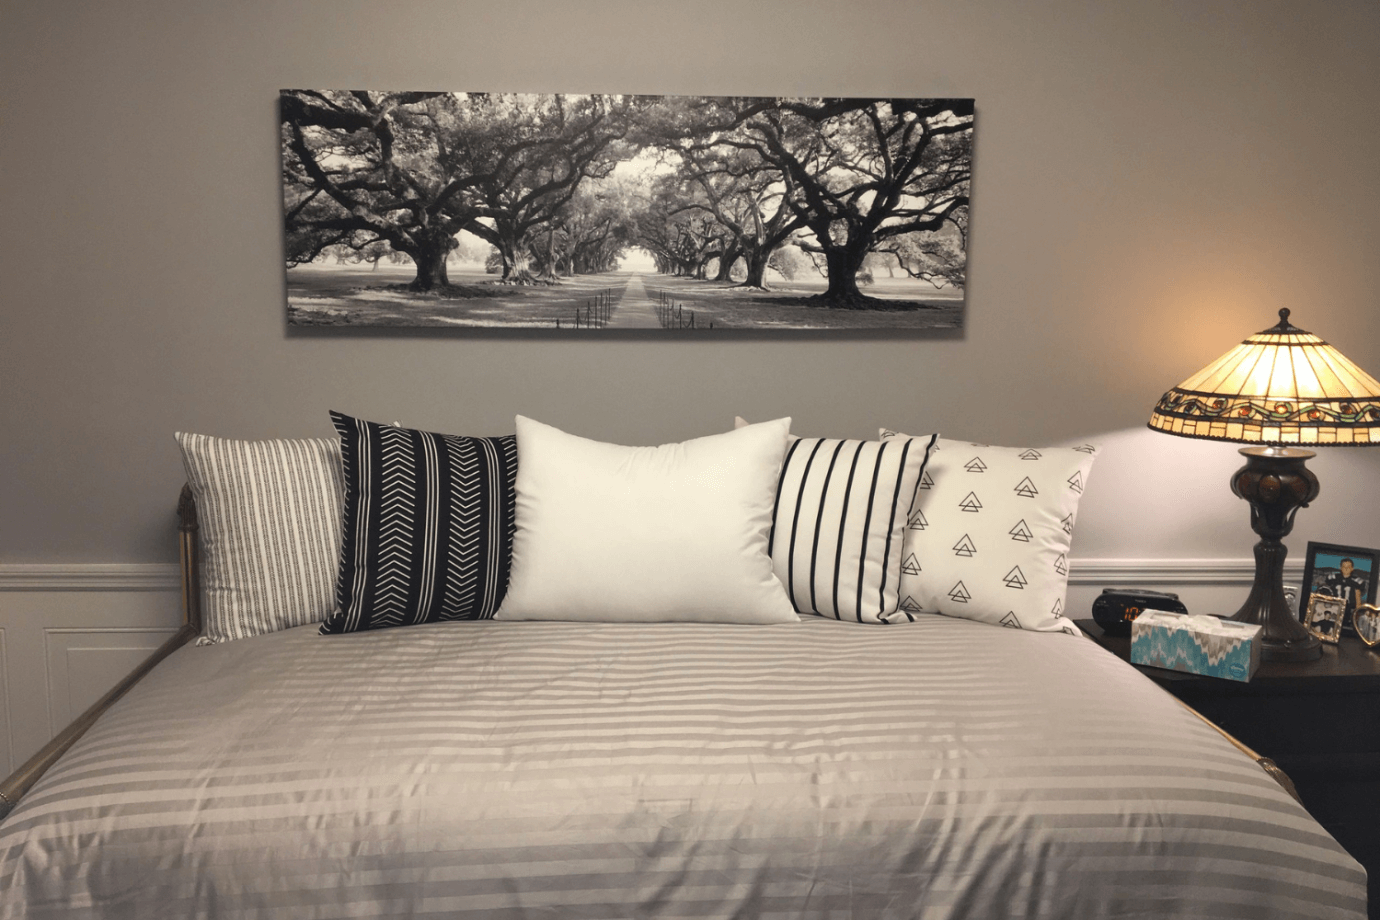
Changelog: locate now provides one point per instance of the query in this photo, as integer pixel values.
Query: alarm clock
(1117, 607)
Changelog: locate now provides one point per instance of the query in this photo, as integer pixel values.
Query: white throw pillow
(839, 523)
(269, 514)
(989, 535)
(646, 534)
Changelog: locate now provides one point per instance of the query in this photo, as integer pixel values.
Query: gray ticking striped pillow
(270, 515)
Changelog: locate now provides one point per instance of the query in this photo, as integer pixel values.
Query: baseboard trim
(1168, 572)
(90, 577)
(1095, 572)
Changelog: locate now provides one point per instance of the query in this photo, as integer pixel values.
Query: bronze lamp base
(1277, 484)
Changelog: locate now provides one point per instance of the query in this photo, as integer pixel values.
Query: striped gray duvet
(549, 770)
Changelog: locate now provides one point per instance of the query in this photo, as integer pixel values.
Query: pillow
(270, 531)
(839, 523)
(646, 534)
(989, 536)
(428, 526)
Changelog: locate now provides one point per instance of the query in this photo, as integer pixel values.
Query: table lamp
(1279, 388)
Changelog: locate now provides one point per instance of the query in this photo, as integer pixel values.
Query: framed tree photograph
(576, 214)
(1348, 573)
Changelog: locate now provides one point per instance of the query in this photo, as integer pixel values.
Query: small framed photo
(1365, 619)
(1348, 573)
(1325, 617)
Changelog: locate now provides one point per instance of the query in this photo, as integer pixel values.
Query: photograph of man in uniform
(1346, 583)
(1344, 577)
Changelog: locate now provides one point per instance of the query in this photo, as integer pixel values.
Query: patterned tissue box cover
(1196, 644)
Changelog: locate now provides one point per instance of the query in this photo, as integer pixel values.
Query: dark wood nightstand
(1318, 720)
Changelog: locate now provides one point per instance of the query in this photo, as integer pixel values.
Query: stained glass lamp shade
(1280, 386)
(1282, 390)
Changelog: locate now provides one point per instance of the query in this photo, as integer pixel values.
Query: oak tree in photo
(536, 151)
(363, 168)
(414, 169)
(748, 199)
(867, 171)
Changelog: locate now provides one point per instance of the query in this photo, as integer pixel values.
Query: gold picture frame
(1365, 619)
(1325, 617)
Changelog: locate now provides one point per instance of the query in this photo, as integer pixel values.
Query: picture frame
(1325, 617)
(1350, 573)
(1365, 619)
(591, 215)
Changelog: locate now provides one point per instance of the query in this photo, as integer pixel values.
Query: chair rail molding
(83, 576)
(166, 577)
(1206, 572)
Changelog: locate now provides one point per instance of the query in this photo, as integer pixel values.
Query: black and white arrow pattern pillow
(428, 526)
(989, 536)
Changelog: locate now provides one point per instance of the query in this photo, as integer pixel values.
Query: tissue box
(1196, 644)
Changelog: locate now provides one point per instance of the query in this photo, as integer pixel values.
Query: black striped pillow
(428, 526)
(839, 524)
(270, 531)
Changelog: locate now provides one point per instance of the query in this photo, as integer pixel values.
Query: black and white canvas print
(585, 213)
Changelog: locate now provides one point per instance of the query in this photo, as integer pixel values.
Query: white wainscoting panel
(69, 632)
(84, 663)
(89, 577)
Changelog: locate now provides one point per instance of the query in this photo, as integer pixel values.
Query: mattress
(941, 769)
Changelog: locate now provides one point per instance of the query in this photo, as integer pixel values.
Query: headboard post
(188, 543)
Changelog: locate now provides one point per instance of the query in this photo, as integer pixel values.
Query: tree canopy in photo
(548, 181)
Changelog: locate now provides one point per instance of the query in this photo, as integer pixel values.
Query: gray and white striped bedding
(942, 769)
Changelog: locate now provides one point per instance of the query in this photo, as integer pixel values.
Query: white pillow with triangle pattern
(988, 536)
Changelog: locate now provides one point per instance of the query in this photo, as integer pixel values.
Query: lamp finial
(1284, 326)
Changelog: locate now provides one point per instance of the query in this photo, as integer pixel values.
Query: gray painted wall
(1153, 181)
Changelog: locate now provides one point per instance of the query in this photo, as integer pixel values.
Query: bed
(634, 770)
(946, 768)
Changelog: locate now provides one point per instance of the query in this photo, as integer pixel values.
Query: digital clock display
(1115, 608)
